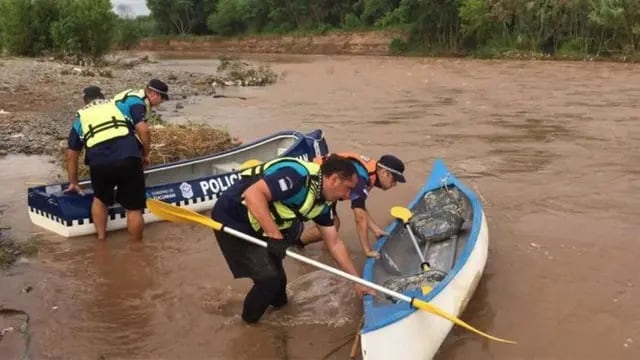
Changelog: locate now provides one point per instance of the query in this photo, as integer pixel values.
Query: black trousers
(266, 271)
(265, 291)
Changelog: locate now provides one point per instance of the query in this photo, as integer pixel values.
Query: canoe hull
(69, 214)
(419, 335)
(400, 331)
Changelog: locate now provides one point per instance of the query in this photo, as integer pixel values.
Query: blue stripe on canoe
(380, 316)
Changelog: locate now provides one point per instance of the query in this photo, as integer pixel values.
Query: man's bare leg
(99, 213)
(135, 224)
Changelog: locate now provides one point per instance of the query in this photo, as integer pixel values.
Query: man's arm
(278, 186)
(362, 229)
(144, 134)
(257, 198)
(74, 146)
(339, 252)
(72, 165)
(363, 222)
(139, 114)
(377, 230)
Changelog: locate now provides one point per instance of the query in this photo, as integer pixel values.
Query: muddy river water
(551, 147)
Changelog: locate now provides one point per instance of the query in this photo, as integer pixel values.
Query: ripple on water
(317, 298)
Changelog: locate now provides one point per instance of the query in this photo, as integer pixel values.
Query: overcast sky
(139, 7)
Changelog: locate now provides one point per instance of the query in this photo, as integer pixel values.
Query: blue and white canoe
(193, 183)
(395, 330)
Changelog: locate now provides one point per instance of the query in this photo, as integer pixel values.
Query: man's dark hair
(91, 93)
(336, 164)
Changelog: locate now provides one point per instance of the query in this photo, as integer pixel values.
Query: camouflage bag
(442, 217)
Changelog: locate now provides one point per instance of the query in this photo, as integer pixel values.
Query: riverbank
(40, 96)
(332, 43)
(339, 42)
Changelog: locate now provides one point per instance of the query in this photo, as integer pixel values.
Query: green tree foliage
(84, 27)
(129, 29)
(484, 27)
(33, 27)
(25, 25)
(231, 17)
(181, 16)
(14, 18)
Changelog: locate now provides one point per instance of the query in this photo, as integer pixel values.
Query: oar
(172, 213)
(249, 164)
(403, 214)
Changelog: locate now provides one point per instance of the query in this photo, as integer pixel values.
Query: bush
(229, 17)
(25, 25)
(398, 47)
(84, 27)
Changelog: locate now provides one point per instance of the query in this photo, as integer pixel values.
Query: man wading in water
(271, 202)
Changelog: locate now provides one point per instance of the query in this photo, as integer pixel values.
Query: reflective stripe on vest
(366, 162)
(305, 205)
(101, 122)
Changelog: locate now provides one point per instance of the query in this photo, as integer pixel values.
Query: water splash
(317, 298)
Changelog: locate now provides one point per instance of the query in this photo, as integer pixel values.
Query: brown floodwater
(551, 147)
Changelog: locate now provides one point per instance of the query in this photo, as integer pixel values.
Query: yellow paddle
(404, 214)
(179, 214)
(249, 164)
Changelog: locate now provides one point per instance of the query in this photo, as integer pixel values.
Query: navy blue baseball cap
(393, 165)
(160, 87)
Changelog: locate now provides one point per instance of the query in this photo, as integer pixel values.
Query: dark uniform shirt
(117, 149)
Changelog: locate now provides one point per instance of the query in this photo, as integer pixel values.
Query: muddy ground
(39, 97)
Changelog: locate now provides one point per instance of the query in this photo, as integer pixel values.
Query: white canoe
(397, 330)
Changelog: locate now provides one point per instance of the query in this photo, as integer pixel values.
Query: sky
(139, 7)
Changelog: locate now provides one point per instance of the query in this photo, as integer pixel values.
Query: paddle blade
(175, 213)
(249, 164)
(423, 305)
(401, 213)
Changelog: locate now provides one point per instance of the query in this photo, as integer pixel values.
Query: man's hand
(146, 161)
(74, 187)
(379, 232)
(372, 254)
(363, 290)
(277, 247)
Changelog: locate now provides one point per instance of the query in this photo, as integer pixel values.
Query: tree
(25, 25)
(181, 16)
(84, 27)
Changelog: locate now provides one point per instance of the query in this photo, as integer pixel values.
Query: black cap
(160, 87)
(92, 92)
(393, 165)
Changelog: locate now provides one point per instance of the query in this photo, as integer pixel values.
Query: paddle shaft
(415, 242)
(321, 266)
